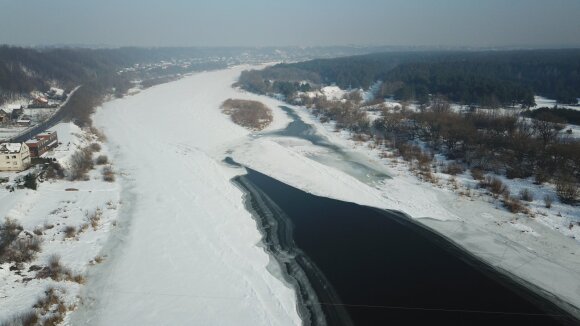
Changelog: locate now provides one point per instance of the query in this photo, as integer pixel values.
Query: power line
(470, 311)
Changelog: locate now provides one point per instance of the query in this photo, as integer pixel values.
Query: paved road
(51, 122)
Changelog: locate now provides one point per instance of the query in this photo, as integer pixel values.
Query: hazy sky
(540, 23)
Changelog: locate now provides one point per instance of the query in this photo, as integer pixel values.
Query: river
(366, 266)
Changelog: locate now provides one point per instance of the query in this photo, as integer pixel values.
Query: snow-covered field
(47, 212)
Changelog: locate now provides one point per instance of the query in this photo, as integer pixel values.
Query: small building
(14, 157)
(24, 122)
(4, 116)
(39, 102)
(42, 143)
(16, 114)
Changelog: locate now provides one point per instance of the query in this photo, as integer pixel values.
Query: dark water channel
(357, 265)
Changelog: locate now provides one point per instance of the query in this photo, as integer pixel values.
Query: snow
(50, 208)
(333, 93)
(546, 102)
(57, 91)
(184, 248)
(191, 251)
(11, 147)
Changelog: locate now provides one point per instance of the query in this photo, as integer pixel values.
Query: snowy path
(191, 254)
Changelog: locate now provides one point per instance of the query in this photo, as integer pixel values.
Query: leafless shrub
(57, 272)
(102, 160)
(412, 153)
(513, 204)
(95, 218)
(98, 133)
(567, 190)
(249, 114)
(80, 163)
(15, 246)
(38, 231)
(454, 169)
(477, 174)
(494, 185)
(98, 259)
(548, 200)
(95, 147)
(108, 174)
(69, 231)
(51, 307)
(527, 195)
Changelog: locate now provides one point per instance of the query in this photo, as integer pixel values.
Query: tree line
(493, 78)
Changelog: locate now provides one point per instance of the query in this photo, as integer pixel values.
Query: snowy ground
(546, 102)
(189, 252)
(49, 210)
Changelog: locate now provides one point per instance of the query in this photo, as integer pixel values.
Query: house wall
(15, 161)
(44, 142)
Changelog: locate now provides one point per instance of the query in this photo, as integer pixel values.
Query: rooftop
(10, 147)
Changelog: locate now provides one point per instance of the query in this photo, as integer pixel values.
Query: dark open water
(356, 265)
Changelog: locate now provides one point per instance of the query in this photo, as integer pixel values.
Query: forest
(493, 78)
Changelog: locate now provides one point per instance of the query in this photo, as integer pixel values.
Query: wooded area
(496, 78)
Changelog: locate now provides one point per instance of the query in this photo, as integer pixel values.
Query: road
(51, 122)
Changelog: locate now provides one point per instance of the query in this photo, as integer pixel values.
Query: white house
(14, 157)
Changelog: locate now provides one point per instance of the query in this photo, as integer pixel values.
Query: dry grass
(97, 260)
(57, 272)
(477, 174)
(454, 169)
(253, 115)
(513, 204)
(494, 185)
(69, 231)
(95, 218)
